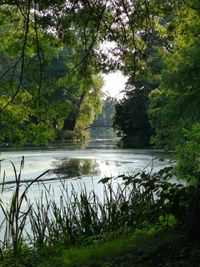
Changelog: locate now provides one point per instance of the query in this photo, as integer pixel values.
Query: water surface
(78, 166)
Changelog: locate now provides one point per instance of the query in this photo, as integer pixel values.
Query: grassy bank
(166, 249)
(140, 249)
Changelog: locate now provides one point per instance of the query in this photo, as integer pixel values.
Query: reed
(78, 217)
(15, 215)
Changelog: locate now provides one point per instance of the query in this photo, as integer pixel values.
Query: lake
(79, 166)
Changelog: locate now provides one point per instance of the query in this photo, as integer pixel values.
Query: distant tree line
(102, 126)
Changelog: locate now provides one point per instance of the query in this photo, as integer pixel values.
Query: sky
(114, 83)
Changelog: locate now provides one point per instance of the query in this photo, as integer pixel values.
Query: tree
(174, 108)
(138, 29)
(131, 119)
(42, 90)
(175, 103)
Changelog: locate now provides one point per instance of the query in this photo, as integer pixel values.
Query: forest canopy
(52, 55)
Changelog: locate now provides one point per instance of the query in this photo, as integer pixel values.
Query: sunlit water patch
(78, 166)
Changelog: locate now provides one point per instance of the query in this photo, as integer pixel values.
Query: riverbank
(129, 224)
(141, 249)
(168, 249)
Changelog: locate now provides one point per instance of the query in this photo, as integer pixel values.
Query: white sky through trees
(114, 83)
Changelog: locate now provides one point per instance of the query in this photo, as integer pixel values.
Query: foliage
(91, 105)
(131, 118)
(157, 195)
(146, 37)
(175, 104)
(131, 121)
(188, 154)
(42, 91)
(151, 42)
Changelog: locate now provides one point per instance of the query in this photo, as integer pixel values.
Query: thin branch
(41, 59)
(22, 58)
(87, 55)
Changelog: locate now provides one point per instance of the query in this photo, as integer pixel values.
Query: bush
(188, 155)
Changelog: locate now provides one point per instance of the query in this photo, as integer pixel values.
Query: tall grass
(80, 216)
(15, 216)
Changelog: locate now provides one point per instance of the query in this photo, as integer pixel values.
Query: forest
(52, 57)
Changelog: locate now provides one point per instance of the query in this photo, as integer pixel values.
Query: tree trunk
(70, 123)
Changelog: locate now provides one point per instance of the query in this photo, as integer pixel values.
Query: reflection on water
(68, 168)
(100, 158)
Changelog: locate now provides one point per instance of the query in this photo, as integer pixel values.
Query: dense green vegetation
(44, 96)
(81, 229)
(51, 57)
(163, 93)
(50, 72)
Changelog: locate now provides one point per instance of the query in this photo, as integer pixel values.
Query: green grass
(140, 249)
(95, 253)
(135, 247)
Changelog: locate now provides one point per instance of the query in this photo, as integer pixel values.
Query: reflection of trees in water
(68, 168)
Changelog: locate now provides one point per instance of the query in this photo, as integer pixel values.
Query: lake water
(72, 168)
(78, 166)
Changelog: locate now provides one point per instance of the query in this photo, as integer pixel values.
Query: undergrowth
(82, 228)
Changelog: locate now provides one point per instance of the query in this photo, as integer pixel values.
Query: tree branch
(22, 57)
